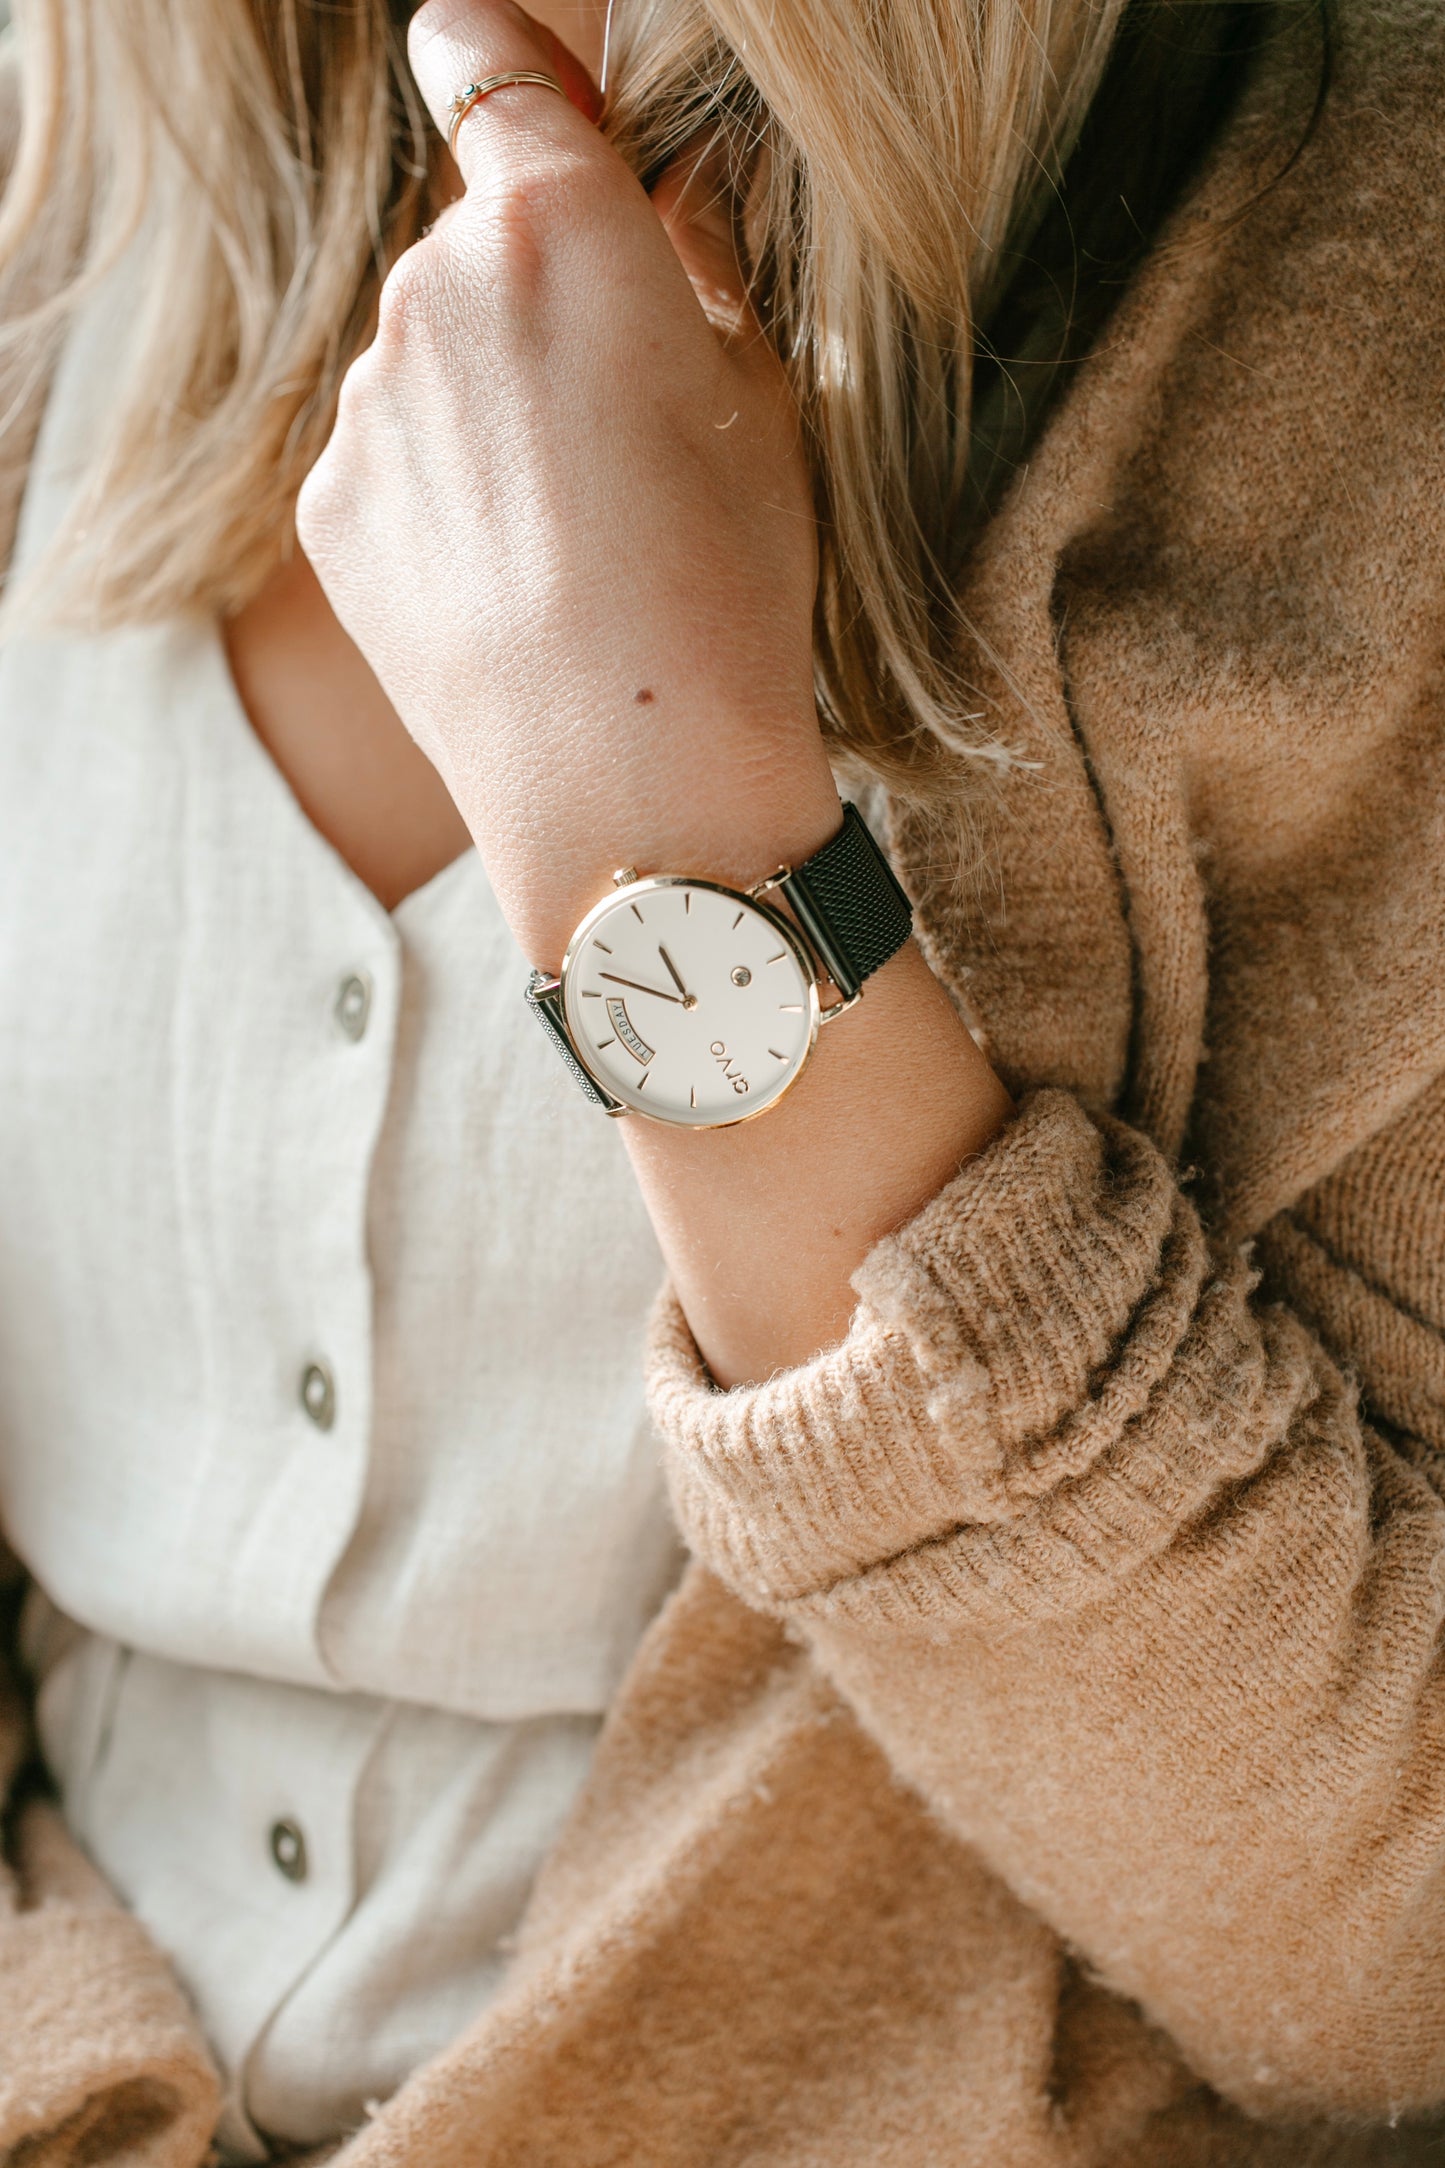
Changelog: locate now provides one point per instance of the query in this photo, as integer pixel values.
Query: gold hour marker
(605, 1042)
(779, 957)
(790, 1008)
(637, 914)
(738, 920)
(776, 1055)
(588, 994)
(686, 900)
(603, 946)
(643, 1078)
(692, 1097)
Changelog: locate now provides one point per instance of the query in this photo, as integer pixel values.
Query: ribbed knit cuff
(1006, 1343)
(97, 2043)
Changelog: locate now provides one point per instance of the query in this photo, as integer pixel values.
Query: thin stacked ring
(474, 93)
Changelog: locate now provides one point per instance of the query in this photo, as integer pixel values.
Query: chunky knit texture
(1044, 1763)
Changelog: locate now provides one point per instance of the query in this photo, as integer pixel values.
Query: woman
(1041, 1761)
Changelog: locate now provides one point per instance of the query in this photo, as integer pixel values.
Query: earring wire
(606, 47)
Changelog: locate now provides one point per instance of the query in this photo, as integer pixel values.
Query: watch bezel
(786, 930)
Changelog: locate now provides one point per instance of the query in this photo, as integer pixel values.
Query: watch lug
(774, 880)
(823, 941)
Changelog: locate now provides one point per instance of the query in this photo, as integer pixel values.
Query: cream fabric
(399, 1631)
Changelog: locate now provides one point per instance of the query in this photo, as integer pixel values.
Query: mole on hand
(644, 697)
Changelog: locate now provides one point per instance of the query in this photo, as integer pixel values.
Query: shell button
(318, 1395)
(353, 1004)
(288, 1849)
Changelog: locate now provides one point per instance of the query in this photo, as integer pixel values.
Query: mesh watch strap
(850, 904)
(544, 999)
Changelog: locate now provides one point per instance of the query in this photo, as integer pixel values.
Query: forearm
(764, 1224)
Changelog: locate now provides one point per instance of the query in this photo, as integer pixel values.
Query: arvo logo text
(725, 1062)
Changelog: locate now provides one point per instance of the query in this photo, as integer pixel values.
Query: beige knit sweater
(1044, 1764)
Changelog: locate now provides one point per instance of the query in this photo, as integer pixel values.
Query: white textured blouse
(321, 1422)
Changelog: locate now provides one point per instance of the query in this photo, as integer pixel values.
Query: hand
(675, 975)
(565, 513)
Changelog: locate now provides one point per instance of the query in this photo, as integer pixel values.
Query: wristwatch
(696, 1004)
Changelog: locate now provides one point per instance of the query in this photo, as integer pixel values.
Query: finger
(452, 43)
(696, 202)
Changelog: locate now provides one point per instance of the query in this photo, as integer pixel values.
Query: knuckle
(459, 22)
(326, 500)
(407, 295)
(353, 423)
(351, 397)
(429, 21)
(316, 508)
(527, 207)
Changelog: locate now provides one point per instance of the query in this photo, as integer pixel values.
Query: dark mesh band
(544, 999)
(848, 900)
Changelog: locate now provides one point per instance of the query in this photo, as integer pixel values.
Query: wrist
(739, 836)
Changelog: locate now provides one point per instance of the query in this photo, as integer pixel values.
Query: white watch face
(688, 1002)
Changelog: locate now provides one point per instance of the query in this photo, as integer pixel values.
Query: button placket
(342, 997)
(317, 1386)
(351, 1011)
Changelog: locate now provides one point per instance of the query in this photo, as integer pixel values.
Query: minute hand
(639, 988)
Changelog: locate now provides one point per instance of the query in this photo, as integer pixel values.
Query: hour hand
(688, 1000)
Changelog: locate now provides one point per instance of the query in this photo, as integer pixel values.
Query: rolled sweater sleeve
(1101, 1551)
(102, 2060)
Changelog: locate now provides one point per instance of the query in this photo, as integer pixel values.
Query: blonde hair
(275, 155)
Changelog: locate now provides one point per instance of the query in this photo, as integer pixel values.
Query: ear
(695, 201)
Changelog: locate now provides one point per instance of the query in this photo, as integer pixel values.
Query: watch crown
(623, 876)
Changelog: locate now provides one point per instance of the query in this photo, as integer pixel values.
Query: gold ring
(474, 93)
